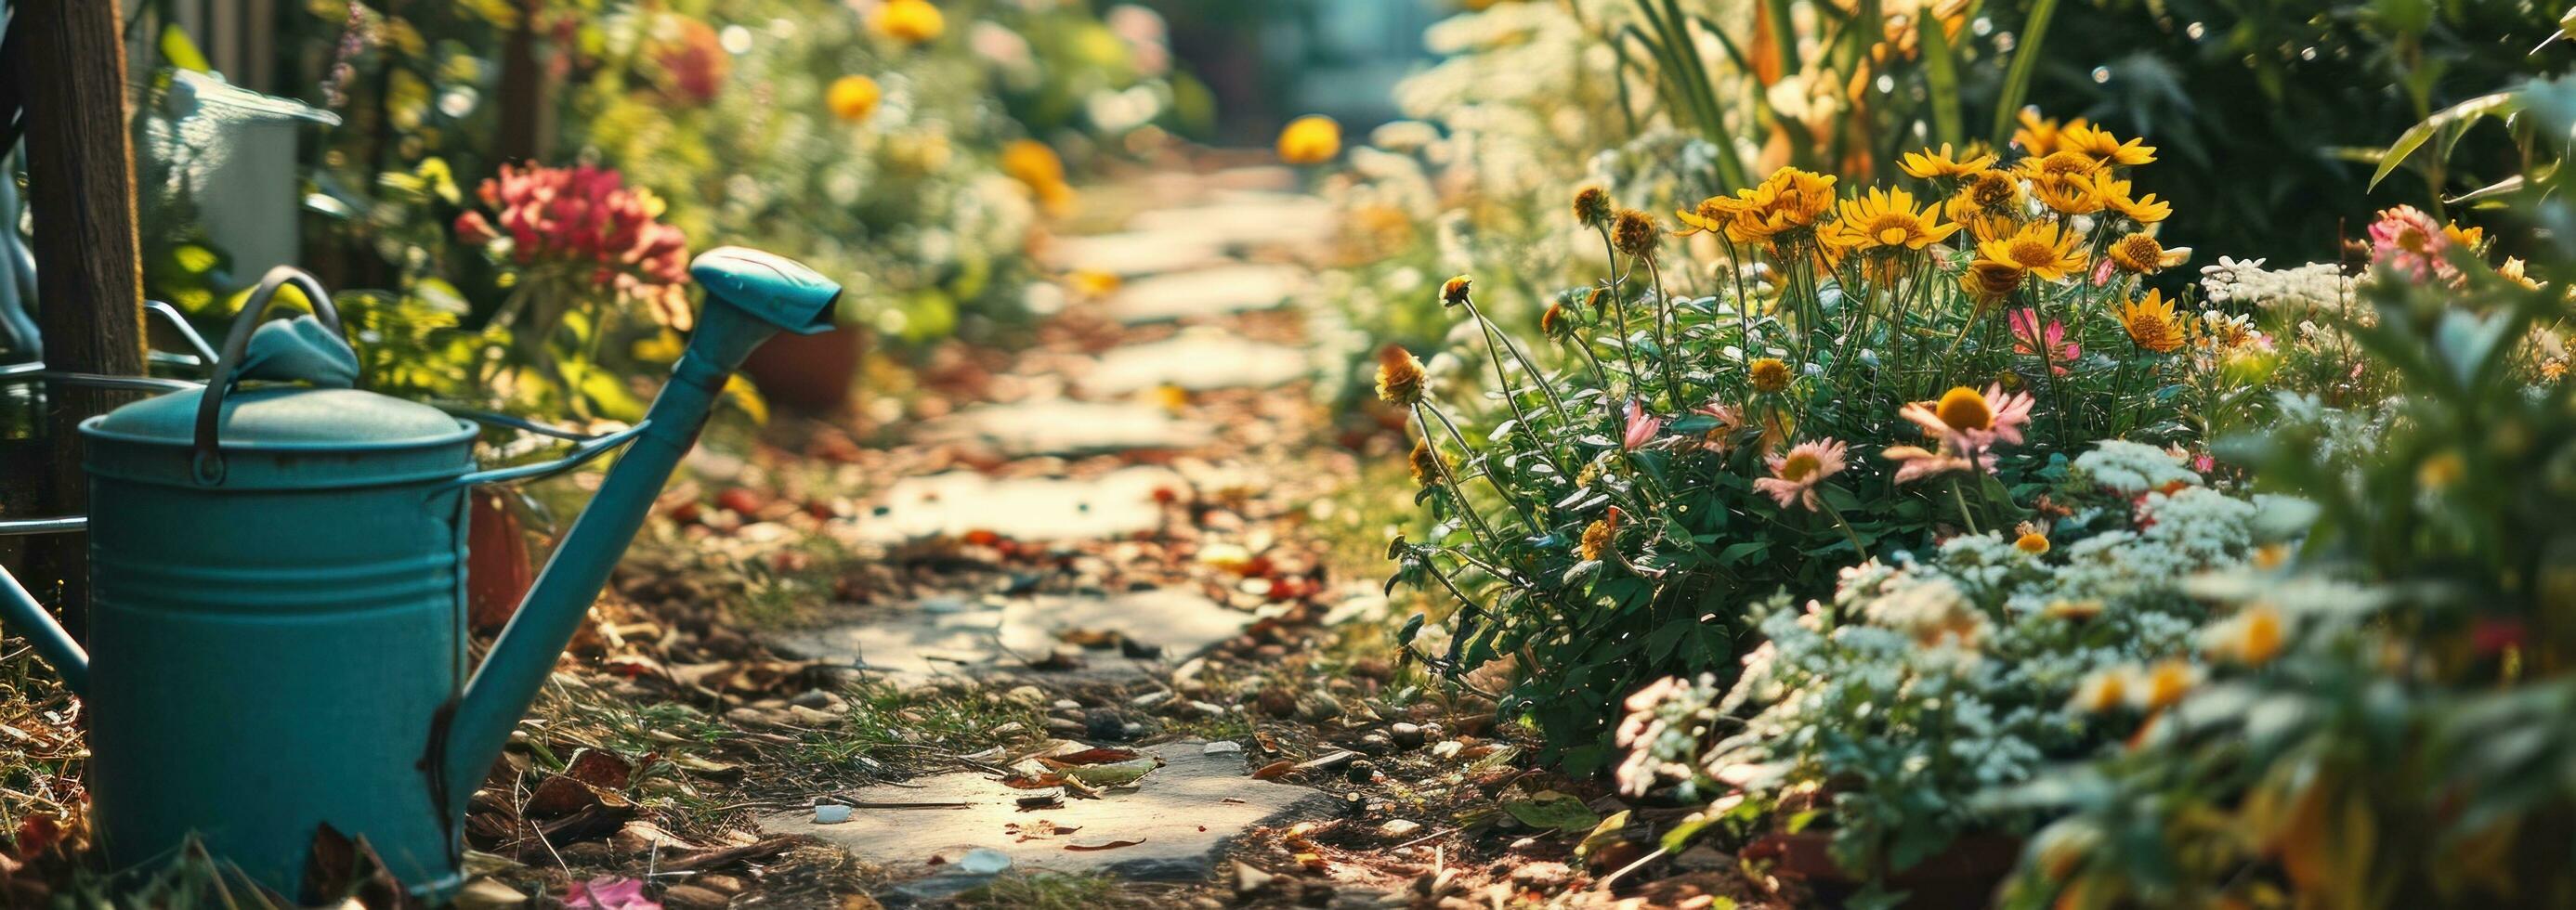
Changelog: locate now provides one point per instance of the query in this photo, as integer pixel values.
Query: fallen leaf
(1553, 810)
(1114, 774)
(1274, 770)
(1096, 756)
(1112, 845)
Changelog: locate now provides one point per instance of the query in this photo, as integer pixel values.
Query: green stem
(1962, 500)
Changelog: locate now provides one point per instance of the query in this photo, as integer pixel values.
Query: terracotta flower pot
(498, 570)
(1963, 875)
(811, 373)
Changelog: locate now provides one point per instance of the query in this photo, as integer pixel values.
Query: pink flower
(1720, 437)
(609, 892)
(1916, 462)
(2029, 338)
(473, 228)
(1794, 476)
(2409, 241)
(1641, 428)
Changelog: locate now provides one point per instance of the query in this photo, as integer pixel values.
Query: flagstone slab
(1181, 817)
(953, 503)
(1197, 361)
(1133, 253)
(1058, 426)
(1215, 291)
(998, 637)
(1248, 219)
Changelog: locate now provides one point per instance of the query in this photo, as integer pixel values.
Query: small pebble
(829, 814)
(1361, 772)
(1409, 736)
(1400, 829)
(1106, 725)
(1222, 747)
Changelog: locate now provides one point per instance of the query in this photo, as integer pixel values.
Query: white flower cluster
(2132, 468)
(1952, 673)
(2318, 287)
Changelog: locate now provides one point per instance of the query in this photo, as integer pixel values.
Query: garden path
(1095, 443)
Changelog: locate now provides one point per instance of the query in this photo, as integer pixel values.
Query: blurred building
(1270, 60)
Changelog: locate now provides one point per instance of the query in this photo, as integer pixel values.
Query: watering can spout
(751, 296)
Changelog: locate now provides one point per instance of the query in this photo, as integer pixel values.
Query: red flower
(584, 223)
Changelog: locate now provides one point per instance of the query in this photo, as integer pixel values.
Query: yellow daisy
(2140, 253)
(2076, 195)
(2098, 143)
(2040, 248)
(2141, 209)
(1988, 203)
(2150, 323)
(1885, 222)
(1785, 206)
(2039, 136)
(1928, 164)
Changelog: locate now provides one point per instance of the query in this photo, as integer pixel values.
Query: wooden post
(89, 276)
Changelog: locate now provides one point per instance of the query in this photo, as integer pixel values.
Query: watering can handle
(209, 464)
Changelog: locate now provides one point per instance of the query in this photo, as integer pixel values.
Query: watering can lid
(288, 417)
(320, 412)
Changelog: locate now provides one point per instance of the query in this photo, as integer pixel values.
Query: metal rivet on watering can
(278, 635)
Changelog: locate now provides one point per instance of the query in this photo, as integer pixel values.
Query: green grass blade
(2025, 64)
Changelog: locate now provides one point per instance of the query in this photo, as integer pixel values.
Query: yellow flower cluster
(908, 21)
(1311, 139)
(1035, 165)
(1782, 209)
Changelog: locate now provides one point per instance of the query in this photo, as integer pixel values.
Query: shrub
(1924, 682)
(1801, 381)
(2404, 743)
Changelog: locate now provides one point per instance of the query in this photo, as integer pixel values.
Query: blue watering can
(278, 624)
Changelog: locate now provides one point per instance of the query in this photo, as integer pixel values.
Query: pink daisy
(1794, 476)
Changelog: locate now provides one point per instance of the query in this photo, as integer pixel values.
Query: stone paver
(1136, 253)
(1248, 219)
(1183, 815)
(1207, 292)
(1033, 508)
(1196, 360)
(960, 636)
(1055, 426)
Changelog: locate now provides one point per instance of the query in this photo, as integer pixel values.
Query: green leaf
(1604, 835)
(1941, 68)
(1550, 810)
(1659, 643)
(2025, 63)
(2449, 123)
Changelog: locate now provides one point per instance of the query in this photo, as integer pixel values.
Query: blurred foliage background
(2271, 113)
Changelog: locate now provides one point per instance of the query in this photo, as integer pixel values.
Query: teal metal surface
(751, 296)
(264, 662)
(286, 417)
(279, 643)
